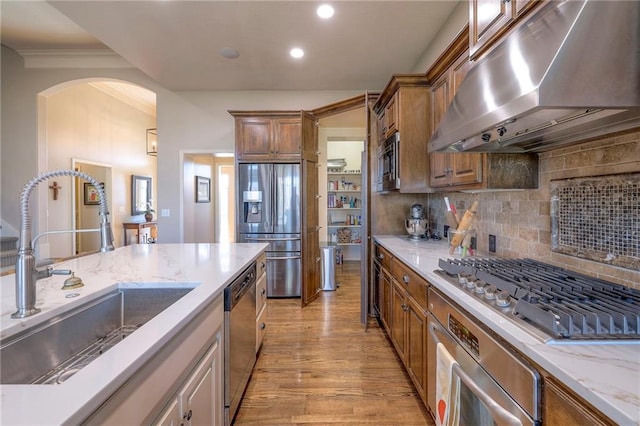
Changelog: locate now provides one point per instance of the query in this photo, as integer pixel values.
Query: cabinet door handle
(405, 278)
(263, 326)
(318, 196)
(381, 256)
(264, 291)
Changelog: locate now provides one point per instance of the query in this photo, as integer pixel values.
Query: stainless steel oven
(239, 339)
(389, 164)
(496, 386)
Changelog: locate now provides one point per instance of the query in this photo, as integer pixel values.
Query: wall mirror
(140, 194)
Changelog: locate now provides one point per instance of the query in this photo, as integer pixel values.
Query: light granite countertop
(209, 268)
(605, 375)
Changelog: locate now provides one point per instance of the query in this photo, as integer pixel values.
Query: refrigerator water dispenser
(252, 202)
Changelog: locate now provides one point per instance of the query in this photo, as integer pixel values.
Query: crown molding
(76, 58)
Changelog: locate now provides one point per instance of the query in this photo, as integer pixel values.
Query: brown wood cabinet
(451, 169)
(310, 225)
(311, 244)
(563, 408)
(409, 329)
(268, 135)
(490, 19)
(402, 305)
(403, 107)
(388, 118)
(382, 277)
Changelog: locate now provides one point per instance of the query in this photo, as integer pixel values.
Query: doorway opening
(349, 121)
(210, 219)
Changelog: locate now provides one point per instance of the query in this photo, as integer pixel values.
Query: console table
(138, 227)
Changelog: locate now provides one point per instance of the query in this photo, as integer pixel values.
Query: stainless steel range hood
(571, 72)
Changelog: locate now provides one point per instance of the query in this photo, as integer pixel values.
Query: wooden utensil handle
(464, 225)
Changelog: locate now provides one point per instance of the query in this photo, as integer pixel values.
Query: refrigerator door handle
(275, 197)
(273, 239)
(283, 257)
(270, 194)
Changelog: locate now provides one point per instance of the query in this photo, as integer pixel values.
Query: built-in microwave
(388, 164)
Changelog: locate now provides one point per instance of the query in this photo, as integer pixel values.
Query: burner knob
(490, 292)
(462, 279)
(503, 299)
(471, 282)
(479, 286)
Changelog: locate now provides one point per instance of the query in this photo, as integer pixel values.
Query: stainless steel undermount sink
(51, 352)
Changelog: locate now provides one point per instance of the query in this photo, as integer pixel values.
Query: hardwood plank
(318, 365)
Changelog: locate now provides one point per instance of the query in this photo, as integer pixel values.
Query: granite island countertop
(207, 268)
(605, 375)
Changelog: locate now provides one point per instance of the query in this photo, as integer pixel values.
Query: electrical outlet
(492, 243)
(165, 212)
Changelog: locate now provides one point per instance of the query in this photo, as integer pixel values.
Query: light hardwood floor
(318, 365)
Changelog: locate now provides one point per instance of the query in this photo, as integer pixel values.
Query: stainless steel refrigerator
(270, 211)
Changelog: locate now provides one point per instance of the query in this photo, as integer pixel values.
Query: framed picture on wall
(203, 189)
(91, 197)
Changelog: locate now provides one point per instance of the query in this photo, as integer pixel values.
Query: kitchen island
(605, 375)
(206, 268)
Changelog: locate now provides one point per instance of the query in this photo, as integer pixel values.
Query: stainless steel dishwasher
(240, 339)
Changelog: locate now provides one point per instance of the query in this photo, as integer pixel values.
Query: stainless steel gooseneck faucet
(26, 272)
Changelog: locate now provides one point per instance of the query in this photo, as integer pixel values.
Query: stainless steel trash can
(328, 270)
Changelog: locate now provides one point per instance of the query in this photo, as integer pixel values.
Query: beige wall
(86, 125)
(521, 219)
(198, 217)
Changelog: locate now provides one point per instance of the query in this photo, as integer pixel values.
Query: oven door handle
(502, 416)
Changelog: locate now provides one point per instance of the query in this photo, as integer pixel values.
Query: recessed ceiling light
(229, 53)
(296, 52)
(325, 11)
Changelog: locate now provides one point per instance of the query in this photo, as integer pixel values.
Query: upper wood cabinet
(388, 119)
(403, 107)
(450, 169)
(268, 136)
(490, 19)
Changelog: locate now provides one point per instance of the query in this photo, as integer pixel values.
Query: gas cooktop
(564, 305)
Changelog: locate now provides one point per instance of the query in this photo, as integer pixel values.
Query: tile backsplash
(598, 218)
(521, 220)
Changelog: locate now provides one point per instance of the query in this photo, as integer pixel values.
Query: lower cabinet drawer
(261, 327)
(414, 283)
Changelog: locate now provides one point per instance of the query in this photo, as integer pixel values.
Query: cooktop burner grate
(562, 303)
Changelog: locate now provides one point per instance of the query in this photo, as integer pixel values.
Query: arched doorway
(92, 122)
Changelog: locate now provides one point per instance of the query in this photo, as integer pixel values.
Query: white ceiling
(176, 42)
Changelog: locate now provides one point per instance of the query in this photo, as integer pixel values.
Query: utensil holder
(467, 245)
